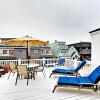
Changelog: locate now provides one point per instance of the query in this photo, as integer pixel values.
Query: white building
(95, 39)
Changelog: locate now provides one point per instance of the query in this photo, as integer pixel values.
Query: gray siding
(20, 53)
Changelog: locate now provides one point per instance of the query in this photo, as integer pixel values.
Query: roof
(14, 47)
(7, 38)
(95, 30)
(40, 47)
(80, 44)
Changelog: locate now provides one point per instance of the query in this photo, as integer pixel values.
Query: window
(11, 52)
(42, 52)
(47, 51)
(35, 51)
(5, 51)
(20, 50)
(63, 51)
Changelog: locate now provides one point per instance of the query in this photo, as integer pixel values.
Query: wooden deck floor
(41, 89)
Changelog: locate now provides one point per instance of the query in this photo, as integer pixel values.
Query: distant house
(16, 52)
(59, 49)
(41, 52)
(7, 53)
(20, 52)
(73, 53)
(12, 52)
(83, 49)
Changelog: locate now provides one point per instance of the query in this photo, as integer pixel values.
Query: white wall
(95, 56)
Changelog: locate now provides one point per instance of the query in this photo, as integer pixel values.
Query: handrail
(38, 61)
(44, 62)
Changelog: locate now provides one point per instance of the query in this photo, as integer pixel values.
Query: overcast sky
(63, 20)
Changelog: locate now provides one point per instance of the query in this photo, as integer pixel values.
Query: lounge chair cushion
(80, 65)
(58, 70)
(85, 81)
(68, 81)
(98, 69)
(74, 81)
(93, 78)
(95, 75)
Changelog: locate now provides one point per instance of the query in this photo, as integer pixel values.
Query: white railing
(46, 62)
(70, 64)
(4, 62)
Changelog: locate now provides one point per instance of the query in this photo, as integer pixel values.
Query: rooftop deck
(41, 89)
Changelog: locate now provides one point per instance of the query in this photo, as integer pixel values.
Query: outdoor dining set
(26, 71)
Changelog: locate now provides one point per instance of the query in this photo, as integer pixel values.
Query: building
(81, 49)
(41, 52)
(73, 53)
(12, 52)
(16, 52)
(95, 38)
(6, 53)
(59, 49)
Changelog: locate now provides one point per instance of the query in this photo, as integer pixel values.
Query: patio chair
(12, 68)
(90, 81)
(22, 72)
(70, 72)
(39, 69)
(32, 61)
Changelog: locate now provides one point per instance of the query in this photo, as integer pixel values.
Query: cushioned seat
(89, 81)
(66, 71)
(62, 71)
(84, 80)
(68, 81)
(73, 80)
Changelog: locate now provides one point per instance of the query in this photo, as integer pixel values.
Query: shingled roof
(80, 44)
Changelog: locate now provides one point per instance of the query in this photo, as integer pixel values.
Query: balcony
(63, 47)
(48, 54)
(85, 51)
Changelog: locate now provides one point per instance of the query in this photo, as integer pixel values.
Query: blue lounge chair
(61, 62)
(90, 81)
(66, 71)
